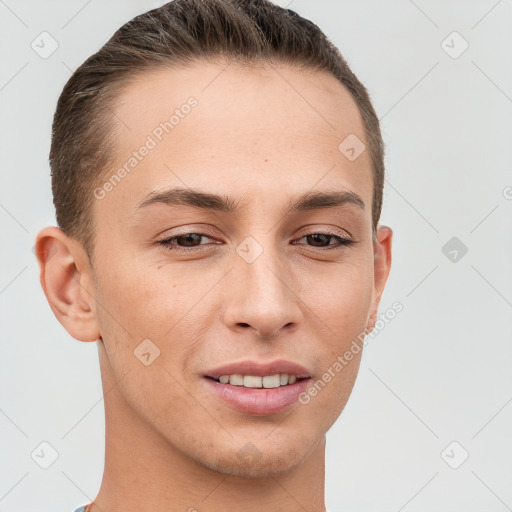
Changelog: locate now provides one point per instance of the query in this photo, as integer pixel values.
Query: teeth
(252, 381)
(236, 380)
(271, 381)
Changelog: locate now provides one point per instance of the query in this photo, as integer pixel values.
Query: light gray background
(439, 372)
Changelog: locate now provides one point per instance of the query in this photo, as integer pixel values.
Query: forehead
(229, 94)
(238, 128)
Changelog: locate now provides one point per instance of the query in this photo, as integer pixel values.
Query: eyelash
(167, 243)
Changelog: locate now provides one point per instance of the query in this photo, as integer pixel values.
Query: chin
(250, 462)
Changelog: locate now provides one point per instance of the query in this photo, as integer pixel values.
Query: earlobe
(66, 281)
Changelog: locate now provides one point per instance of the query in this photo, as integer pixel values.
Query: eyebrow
(308, 201)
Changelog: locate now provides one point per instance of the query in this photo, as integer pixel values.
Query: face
(181, 289)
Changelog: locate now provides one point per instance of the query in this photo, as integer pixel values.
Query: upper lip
(260, 369)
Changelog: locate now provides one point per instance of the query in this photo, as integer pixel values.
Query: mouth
(258, 382)
(249, 373)
(257, 400)
(258, 388)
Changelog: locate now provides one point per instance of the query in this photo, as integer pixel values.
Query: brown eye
(185, 242)
(321, 240)
(190, 239)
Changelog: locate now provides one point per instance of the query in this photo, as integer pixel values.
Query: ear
(67, 281)
(382, 266)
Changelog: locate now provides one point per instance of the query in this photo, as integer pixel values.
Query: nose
(262, 296)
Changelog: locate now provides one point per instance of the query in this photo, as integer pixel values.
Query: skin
(170, 444)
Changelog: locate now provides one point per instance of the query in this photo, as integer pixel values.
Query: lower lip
(258, 400)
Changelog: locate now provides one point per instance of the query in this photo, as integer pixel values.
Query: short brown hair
(181, 32)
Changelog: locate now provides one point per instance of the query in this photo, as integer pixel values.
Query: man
(217, 173)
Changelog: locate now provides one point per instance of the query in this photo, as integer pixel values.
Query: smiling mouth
(249, 394)
(258, 382)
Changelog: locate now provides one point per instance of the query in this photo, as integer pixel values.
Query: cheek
(152, 303)
(343, 298)
(142, 313)
(342, 303)
(147, 300)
